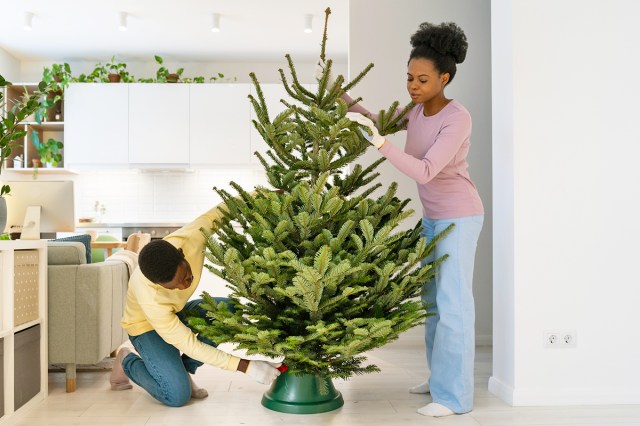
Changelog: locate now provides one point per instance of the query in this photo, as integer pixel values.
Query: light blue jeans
(450, 332)
(160, 369)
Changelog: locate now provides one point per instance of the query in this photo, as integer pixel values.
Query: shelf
(50, 128)
(23, 297)
(27, 325)
(43, 170)
(54, 126)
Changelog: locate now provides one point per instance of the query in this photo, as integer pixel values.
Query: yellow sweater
(152, 307)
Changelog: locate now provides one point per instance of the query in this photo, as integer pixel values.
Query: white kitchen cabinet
(97, 125)
(219, 124)
(164, 125)
(158, 124)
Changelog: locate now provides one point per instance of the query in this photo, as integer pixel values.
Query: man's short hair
(159, 260)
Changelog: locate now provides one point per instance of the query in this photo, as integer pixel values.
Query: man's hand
(263, 372)
(373, 136)
(319, 72)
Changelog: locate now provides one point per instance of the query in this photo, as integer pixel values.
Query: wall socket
(560, 339)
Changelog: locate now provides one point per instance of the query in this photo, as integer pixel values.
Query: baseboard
(501, 390)
(527, 397)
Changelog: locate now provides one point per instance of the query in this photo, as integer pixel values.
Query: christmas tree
(319, 272)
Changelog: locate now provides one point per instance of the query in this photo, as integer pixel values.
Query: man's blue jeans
(450, 332)
(160, 369)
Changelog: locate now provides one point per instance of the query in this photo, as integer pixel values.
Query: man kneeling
(167, 275)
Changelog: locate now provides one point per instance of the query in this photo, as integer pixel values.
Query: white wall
(379, 32)
(9, 66)
(566, 148)
(503, 201)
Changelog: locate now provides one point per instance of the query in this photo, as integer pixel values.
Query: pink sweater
(435, 156)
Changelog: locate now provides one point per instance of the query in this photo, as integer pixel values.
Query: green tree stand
(302, 394)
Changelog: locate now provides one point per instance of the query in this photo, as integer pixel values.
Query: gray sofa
(85, 304)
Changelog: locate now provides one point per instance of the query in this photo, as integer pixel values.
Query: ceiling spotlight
(123, 21)
(215, 24)
(308, 23)
(28, 21)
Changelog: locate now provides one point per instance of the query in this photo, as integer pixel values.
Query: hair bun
(446, 38)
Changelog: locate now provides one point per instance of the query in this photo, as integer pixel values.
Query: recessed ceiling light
(123, 21)
(215, 25)
(308, 23)
(28, 21)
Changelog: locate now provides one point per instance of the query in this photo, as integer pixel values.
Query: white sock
(421, 388)
(197, 392)
(435, 410)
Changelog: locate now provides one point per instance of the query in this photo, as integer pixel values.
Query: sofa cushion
(82, 238)
(66, 253)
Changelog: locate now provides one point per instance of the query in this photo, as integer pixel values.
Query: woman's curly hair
(444, 44)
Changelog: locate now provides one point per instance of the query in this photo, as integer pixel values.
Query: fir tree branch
(359, 77)
(392, 120)
(296, 83)
(327, 12)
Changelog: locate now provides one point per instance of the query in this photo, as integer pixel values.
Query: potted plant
(163, 75)
(98, 74)
(50, 152)
(58, 76)
(117, 72)
(12, 113)
(319, 273)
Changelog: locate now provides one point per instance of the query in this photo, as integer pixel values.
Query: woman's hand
(372, 135)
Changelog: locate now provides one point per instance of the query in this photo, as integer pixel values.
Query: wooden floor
(376, 399)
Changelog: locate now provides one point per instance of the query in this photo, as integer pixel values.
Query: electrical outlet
(551, 339)
(560, 339)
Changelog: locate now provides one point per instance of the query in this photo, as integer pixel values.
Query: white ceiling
(251, 30)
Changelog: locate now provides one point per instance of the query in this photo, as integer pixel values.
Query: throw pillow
(84, 239)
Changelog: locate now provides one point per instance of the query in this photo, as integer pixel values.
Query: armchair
(85, 305)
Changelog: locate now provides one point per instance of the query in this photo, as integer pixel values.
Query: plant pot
(172, 78)
(36, 163)
(114, 78)
(302, 394)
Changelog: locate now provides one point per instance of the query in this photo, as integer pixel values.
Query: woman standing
(435, 156)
